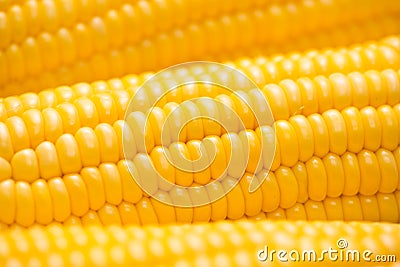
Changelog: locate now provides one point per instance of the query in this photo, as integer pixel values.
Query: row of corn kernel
(380, 207)
(14, 18)
(217, 244)
(83, 40)
(115, 62)
(76, 193)
(350, 129)
(336, 91)
(96, 196)
(366, 173)
(33, 17)
(22, 21)
(68, 154)
(265, 70)
(307, 96)
(358, 84)
(299, 138)
(374, 58)
(377, 208)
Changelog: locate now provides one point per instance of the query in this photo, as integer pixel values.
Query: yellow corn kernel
(337, 131)
(25, 206)
(304, 135)
(293, 96)
(43, 202)
(130, 190)
(70, 117)
(64, 94)
(91, 218)
(377, 93)
(234, 198)
(278, 214)
(5, 169)
(68, 154)
(297, 212)
(388, 209)
(33, 120)
(317, 179)
(218, 204)
(370, 208)
(335, 175)
(88, 146)
(72, 220)
(266, 136)
(30, 101)
(321, 135)
(7, 203)
(333, 208)
(352, 173)
(300, 172)
(391, 82)
(369, 173)
(106, 108)
(87, 112)
(108, 143)
(18, 133)
(354, 129)
(77, 191)
(277, 99)
(180, 154)
(388, 170)
(372, 128)
(315, 210)
(308, 95)
(351, 208)
(270, 191)
(109, 215)
(165, 213)
(60, 198)
(390, 127)
(287, 186)
(49, 166)
(141, 130)
(252, 148)
(13, 106)
(6, 146)
(53, 127)
(200, 159)
(112, 183)
(146, 212)
(341, 91)
(128, 214)
(147, 177)
(95, 187)
(25, 165)
(289, 148)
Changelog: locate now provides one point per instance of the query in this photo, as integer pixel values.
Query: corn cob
(112, 188)
(53, 67)
(50, 98)
(88, 148)
(63, 160)
(382, 88)
(227, 244)
(379, 56)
